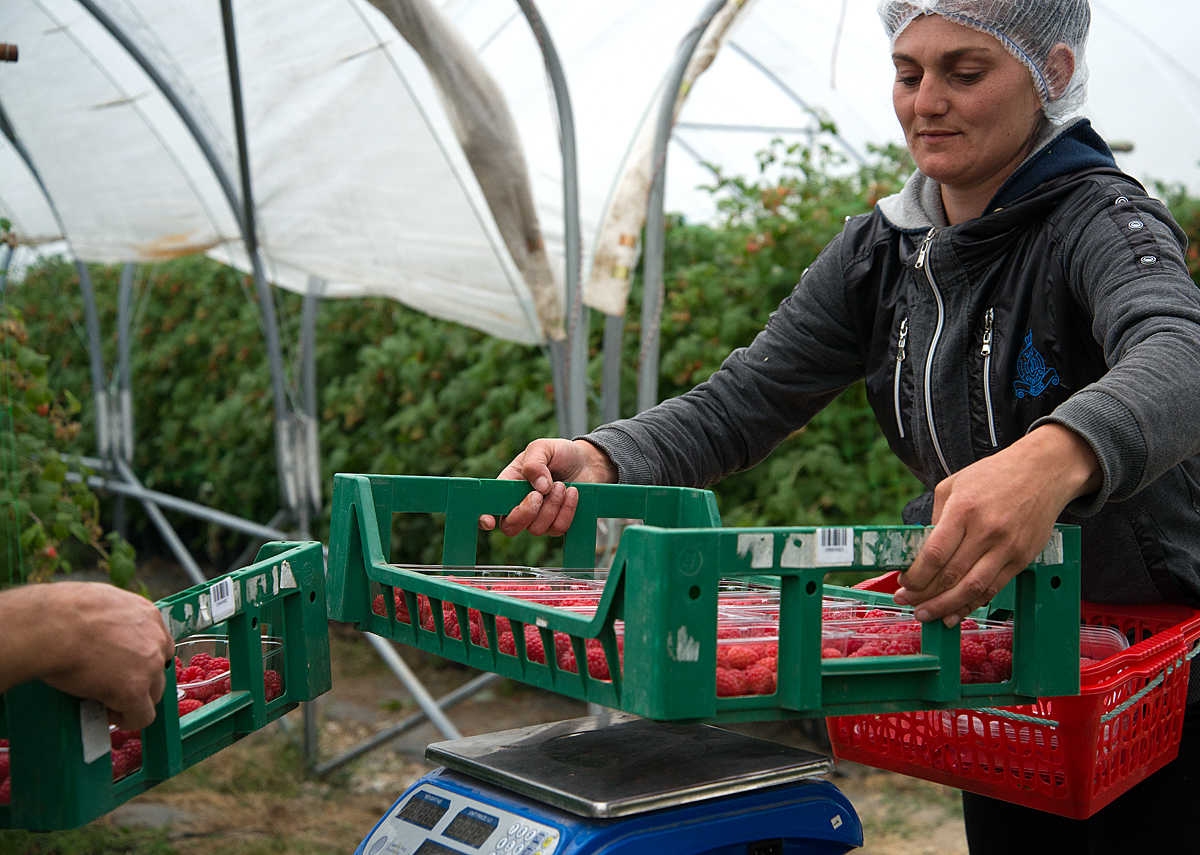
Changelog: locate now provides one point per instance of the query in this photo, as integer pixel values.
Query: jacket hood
(1060, 150)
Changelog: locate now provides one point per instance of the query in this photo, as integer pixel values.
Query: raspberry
(562, 642)
(598, 664)
(566, 659)
(4, 764)
(191, 674)
(730, 682)
(119, 737)
(723, 651)
(219, 665)
(973, 655)
(831, 653)
(506, 644)
(1001, 660)
(969, 624)
(219, 688)
(742, 656)
(5, 791)
(120, 765)
(133, 754)
(965, 676)
(1001, 640)
(760, 680)
(987, 673)
(189, 705)
(534, 649)
(769, 662)
(272, 684)
(871, 648)
(200, 660)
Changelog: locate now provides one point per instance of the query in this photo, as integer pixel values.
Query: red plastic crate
(1069, 756)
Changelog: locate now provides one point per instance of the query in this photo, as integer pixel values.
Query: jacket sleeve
(761, 394)
(1142, 417)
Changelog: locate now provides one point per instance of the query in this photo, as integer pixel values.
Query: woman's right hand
(546, 464)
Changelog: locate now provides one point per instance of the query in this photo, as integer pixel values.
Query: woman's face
(968, 107)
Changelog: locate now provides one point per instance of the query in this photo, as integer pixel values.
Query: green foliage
(47, 522)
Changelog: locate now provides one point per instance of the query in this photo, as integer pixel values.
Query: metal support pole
(420, 694)
(577, 323)
(466, 690)
(124, 440)
(284, 456)
(136, 491)
(610, 386)
(95, 362)
(652, 279)
(163, 525)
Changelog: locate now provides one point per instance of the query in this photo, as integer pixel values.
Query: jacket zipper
(986, 352)
(900, 345)
(933, 343)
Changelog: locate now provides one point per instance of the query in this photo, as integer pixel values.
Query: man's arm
(88, 639)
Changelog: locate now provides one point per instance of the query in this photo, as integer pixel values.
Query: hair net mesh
(1028, 29)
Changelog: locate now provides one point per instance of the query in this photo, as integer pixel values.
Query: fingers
(135, 710)
(551, 514)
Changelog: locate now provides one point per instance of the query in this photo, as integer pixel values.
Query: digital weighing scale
(619, 785)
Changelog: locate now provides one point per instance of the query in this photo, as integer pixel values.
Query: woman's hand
(545, 464)
(994, 517)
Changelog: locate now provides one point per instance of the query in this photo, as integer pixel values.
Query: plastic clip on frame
(283, 592)
(663, 585)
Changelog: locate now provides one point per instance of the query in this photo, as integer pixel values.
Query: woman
(1030, 340)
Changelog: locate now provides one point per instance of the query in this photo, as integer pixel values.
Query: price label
(223, 604)
(835, 546)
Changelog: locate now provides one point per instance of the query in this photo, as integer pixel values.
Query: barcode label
(221, 594)
(835, 546)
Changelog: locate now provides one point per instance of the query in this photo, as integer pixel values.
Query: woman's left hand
(994, 517)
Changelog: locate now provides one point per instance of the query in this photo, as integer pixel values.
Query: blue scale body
(449, 813)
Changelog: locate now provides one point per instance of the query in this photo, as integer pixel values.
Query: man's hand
(994, 517)
(545, 464)
(88, 639)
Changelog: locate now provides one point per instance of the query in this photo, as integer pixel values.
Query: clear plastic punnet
(1028, 29)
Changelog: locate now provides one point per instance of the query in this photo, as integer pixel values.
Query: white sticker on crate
(93, 727)
(224, 604)
(761, 548)
(685, 648)
(835, 546)
(287, 579)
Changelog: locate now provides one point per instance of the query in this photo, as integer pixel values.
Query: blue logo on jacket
(1033, 375)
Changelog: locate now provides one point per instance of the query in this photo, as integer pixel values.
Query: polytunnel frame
(114, 433)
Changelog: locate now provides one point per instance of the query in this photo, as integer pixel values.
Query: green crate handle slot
(663, 585)
(53, 788)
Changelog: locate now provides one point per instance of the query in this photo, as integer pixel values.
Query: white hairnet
(1028, 29)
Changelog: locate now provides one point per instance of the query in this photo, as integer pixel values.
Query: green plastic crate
(283, 593)
(663, 585)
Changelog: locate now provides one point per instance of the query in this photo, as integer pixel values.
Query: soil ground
(258, 797)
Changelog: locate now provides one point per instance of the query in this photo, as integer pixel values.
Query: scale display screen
(424, 809)
(471, 827)
(432, 847)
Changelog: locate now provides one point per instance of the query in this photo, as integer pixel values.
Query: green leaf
(54, 470)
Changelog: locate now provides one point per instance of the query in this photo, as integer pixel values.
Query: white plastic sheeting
(359, 180)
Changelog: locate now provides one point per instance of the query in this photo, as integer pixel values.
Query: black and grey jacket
(1067, 301)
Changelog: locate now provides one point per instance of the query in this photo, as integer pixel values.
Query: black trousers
(1161, 814)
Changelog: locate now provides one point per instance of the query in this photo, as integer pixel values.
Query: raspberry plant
(41, 511)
